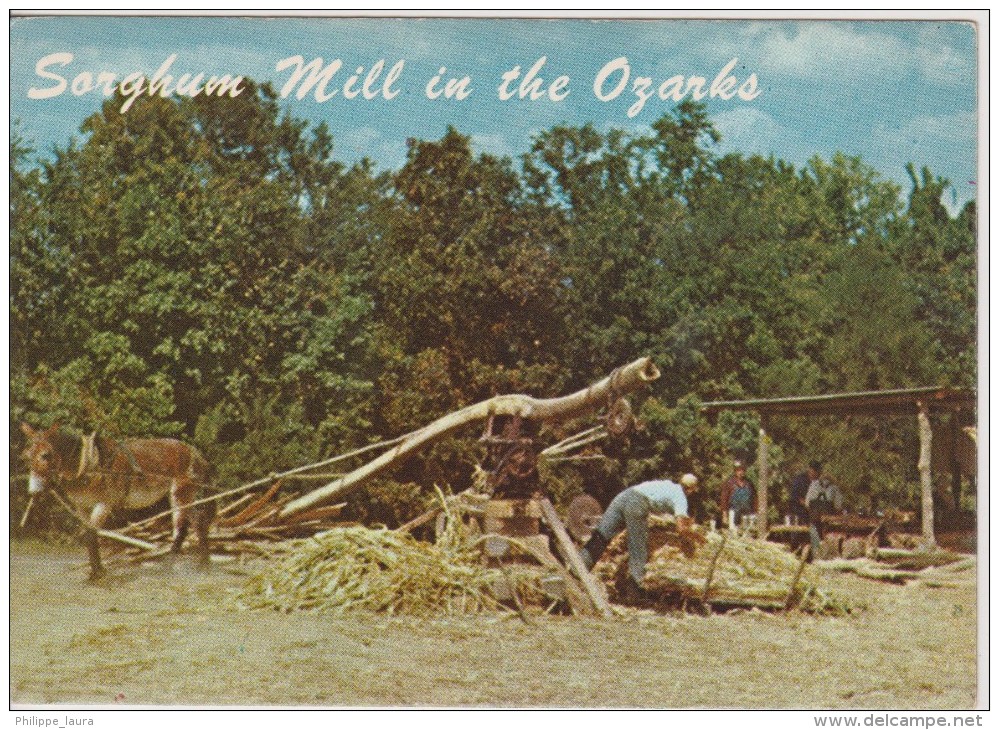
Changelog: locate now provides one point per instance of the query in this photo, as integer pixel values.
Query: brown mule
(100, 475)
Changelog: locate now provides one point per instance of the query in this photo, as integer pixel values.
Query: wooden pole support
(925, 472)
(623, 380)
(568, 549)
(763, 466)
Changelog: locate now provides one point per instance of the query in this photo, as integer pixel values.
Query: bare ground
(156, 636)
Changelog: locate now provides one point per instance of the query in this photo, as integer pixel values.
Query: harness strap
(130, 456)
(89, 457)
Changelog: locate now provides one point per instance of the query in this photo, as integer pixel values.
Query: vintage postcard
(498, 362)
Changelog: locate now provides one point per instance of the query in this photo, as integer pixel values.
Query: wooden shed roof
(876, 402)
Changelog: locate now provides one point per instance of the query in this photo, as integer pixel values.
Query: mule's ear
(27, 430)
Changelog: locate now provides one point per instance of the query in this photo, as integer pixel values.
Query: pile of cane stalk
(357, 568)
(725, 570)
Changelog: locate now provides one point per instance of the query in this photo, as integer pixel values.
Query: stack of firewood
(242, 524)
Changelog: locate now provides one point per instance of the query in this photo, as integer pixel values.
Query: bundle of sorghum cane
(725, 570)
(359, 568)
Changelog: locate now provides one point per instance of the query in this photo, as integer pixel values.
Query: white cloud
(941, 64)
(952, 128)
(817, 50)
(837, 49)
(749, 130)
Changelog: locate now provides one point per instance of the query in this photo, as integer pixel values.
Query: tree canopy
(209, 270)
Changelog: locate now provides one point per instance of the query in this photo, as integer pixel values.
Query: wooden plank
(498, 508)
(245, 514)
(568, 549)
(788, 530)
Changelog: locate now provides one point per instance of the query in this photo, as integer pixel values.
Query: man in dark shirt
(798, 508)
(737, 496)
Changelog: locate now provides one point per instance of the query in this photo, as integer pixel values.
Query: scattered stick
(282, 475)
(230, 507)
(435, 510)
(253, 508)
(806, 551)
(575, 441)
(711, 569)
(421, 520)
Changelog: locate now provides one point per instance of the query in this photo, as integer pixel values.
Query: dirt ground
(151, 635)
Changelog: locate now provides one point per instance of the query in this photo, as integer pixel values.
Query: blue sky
(889, 91)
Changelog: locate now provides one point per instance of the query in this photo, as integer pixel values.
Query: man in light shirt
(630, 510)
(823, 498)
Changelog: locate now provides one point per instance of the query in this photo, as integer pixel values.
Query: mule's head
(43, 457)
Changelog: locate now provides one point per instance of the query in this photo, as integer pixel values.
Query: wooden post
(572, 558)
(925, 473)
(763, 454)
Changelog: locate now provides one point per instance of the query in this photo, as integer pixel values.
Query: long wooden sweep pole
(623, 380)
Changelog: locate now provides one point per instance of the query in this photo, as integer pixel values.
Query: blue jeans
(816, 539)
(629, 510)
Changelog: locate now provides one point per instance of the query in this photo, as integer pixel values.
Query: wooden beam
(925, 471)
(623, 380)
(571, 555)
(887, 402)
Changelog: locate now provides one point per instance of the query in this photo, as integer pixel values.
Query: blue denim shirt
(664, 496)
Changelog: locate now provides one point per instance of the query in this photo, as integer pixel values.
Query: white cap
(688, 480)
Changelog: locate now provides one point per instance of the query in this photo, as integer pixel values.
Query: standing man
(823, 498)
(630, 510)
(798, 507)
(738, 496)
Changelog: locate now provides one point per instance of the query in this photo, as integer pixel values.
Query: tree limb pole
(622, 380)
